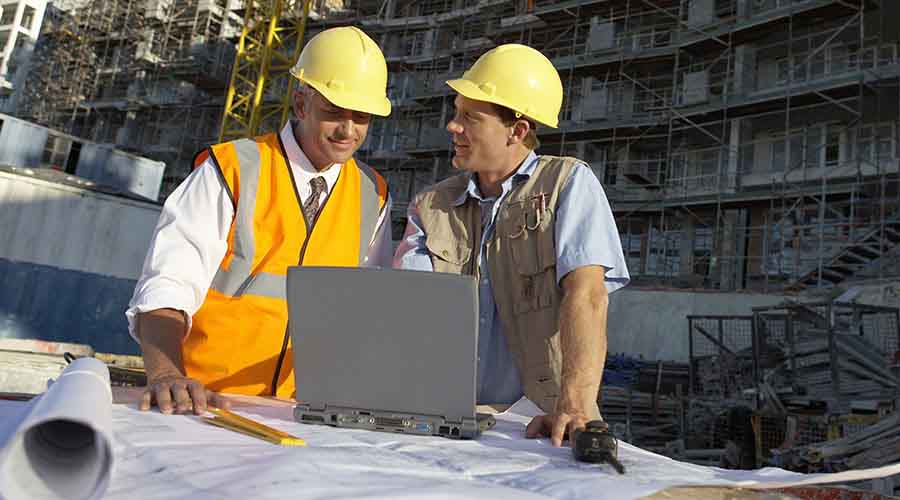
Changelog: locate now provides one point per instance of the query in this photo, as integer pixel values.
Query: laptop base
(401, 423)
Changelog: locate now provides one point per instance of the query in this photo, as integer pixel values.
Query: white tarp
(168, 457)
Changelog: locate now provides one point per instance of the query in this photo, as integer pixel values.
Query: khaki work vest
(238, 341)
(521, 257)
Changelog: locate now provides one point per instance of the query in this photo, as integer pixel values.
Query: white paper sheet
(58, 445)
(166, 457)
(173, 457)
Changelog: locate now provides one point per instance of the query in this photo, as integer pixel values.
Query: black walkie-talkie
(596, 445)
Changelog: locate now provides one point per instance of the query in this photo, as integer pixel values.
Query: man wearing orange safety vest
(209, 309)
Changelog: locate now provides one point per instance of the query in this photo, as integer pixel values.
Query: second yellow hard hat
(517, 77)
(347, 68)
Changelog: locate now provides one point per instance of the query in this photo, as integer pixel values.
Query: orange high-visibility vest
(238, 341)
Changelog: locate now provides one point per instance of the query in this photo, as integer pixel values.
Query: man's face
(329, 134)
(480, 138)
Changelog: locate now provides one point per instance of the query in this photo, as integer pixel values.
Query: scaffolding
(146, 76)
(743, 144)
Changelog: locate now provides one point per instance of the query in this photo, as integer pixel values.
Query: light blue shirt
(585, 235)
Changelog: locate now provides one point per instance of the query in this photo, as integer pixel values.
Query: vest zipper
(309, 230)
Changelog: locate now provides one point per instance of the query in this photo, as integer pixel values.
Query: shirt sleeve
(412, 253)
(381, 247)
(586, 232)
(187, 247)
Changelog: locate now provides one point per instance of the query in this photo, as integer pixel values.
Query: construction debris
(641, 400)
(26, 365)
(28, 372)
(832, 354)
(873, 446)
(819, 380)
(643, 419)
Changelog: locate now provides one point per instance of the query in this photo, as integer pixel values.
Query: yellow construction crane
(259, 93)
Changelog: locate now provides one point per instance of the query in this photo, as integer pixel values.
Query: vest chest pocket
(448, 255)
(528, 229)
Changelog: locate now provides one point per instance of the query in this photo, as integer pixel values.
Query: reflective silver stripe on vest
(267, 285)
(236, 278)
(369, 208)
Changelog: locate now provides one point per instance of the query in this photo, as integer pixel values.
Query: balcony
(649, 174)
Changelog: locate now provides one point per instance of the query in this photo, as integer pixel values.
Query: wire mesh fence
(721, 356)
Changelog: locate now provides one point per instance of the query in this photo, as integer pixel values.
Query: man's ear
(300, 104)
(520, 130)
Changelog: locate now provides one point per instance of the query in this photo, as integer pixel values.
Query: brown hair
(508, 117)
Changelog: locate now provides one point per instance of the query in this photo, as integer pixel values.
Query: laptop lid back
(384, 339)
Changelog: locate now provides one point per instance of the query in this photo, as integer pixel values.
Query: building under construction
(743, 144)
(147, 76)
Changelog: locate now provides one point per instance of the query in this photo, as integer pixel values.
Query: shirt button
(483, 321)
(445, 253)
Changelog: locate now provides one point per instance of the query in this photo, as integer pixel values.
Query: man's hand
(179, 394)
(161, 332)
(556, 426)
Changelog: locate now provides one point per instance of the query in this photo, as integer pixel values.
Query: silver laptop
(385, 350)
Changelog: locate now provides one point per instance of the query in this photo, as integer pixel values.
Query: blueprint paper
(58, 445)
(178, 456)
(172, 457)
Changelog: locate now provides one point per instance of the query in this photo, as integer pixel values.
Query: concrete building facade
(743, 144)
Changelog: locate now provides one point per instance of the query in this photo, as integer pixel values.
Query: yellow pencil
(244, 421)
(237, 423)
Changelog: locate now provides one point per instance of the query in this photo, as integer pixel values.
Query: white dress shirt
(191, 236)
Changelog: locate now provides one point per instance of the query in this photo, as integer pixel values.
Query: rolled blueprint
(62, 447)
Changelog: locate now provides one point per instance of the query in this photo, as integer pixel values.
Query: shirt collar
(522, 173)
(295, 155)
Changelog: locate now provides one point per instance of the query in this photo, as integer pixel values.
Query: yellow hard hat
(516, 77)
(347, 68)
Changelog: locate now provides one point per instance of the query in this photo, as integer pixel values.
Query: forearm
(583, 345)
(161, 333)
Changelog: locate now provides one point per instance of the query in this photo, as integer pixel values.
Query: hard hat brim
(468, 89)
(380, 106)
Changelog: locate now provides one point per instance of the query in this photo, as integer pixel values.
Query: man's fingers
(535, 427)
(199, 396)
(218, 400)
(182, 397)
(146, 399)
(559, 429)
(178, 394)
(556, 426)
(162, 392)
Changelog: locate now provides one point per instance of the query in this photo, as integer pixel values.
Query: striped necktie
(311, 205)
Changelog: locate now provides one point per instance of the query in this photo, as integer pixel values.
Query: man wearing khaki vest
(210, 310)
(537, 233)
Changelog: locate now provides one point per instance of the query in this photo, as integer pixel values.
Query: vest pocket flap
(448, 250)
(530, 236)
(533, 251)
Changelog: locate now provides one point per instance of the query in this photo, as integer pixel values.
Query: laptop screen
(384, 339)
